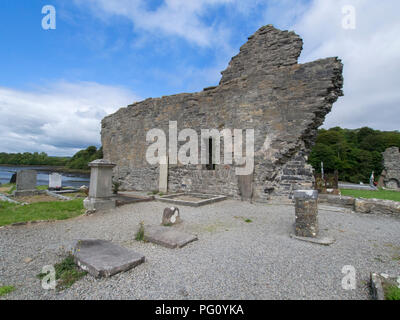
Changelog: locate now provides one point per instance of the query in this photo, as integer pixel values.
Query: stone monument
(26, 183)
(100, 190)
(306, 213)
(391, 161)
(55, 181)
(171, 216)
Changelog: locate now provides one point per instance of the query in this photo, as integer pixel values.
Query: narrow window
(210, 165)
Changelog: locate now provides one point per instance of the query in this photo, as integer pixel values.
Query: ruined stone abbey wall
(263, 88)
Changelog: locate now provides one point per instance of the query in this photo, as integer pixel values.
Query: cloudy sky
(57, 85)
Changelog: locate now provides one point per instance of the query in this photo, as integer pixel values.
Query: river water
(68, 179)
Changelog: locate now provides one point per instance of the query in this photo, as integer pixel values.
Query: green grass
(6, 290)
(392, 293)
(380, 194)
(12, 187)
(140, 233)
(42, 187)
(56, 210)
(67, 273)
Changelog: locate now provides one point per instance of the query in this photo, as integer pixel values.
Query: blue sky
(57, 85)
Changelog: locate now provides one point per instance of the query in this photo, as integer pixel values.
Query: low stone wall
(377, 206)
(368, 206)
(340, 201)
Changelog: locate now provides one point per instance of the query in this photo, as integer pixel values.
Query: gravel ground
(232, 259)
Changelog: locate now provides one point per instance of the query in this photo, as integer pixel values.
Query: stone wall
(263, 88)
(391, 174)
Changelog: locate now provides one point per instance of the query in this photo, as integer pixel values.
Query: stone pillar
(306, 213)
(100, 190)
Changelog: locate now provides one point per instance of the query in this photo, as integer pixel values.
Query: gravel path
(232, 259)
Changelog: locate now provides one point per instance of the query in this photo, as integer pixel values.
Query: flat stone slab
(324, 241)
(102, 258)
(167, 236)
(191, 199)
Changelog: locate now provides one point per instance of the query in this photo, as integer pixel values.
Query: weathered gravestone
(171, 216)
(103, 259)
(26, 180)
(100, 190)
(306, 213)
(55, 181)
(167, 237)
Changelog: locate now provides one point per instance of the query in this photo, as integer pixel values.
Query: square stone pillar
(100, 190)
(306, 213)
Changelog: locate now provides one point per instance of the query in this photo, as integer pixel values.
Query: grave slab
(167, 236)
(102, 258)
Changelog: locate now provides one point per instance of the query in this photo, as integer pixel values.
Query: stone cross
(306, 213)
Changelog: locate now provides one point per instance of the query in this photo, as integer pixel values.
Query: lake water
(68, 179)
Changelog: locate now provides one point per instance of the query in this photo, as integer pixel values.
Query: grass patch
(369, 194)
(67, 273)
(55, 210)
(392, 293)
(140, 233)
(6, 290)
(248, 220)
(42, 187)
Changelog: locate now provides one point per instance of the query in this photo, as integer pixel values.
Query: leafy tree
(354, 153)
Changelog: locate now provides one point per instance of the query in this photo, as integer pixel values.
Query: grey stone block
(103, 259)
(167, 236)
(26, 180)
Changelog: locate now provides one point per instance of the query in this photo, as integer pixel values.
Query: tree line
(79, 161)
(354, 153)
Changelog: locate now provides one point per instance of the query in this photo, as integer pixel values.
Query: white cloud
(172, 18)
(370, 55)
(58, 119)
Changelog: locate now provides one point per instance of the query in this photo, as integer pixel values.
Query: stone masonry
(263, 88)
(391, 158)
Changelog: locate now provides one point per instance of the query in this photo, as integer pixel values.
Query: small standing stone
(171, 216)
(26, 180)
(55, 181)
(306, 213)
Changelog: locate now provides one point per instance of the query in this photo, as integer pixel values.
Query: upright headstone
(163, 183)
(26, 180)
(306, 213)
(100, 190)
(55, 181)
(171, 216)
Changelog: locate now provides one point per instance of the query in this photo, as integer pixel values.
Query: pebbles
(231, 260)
